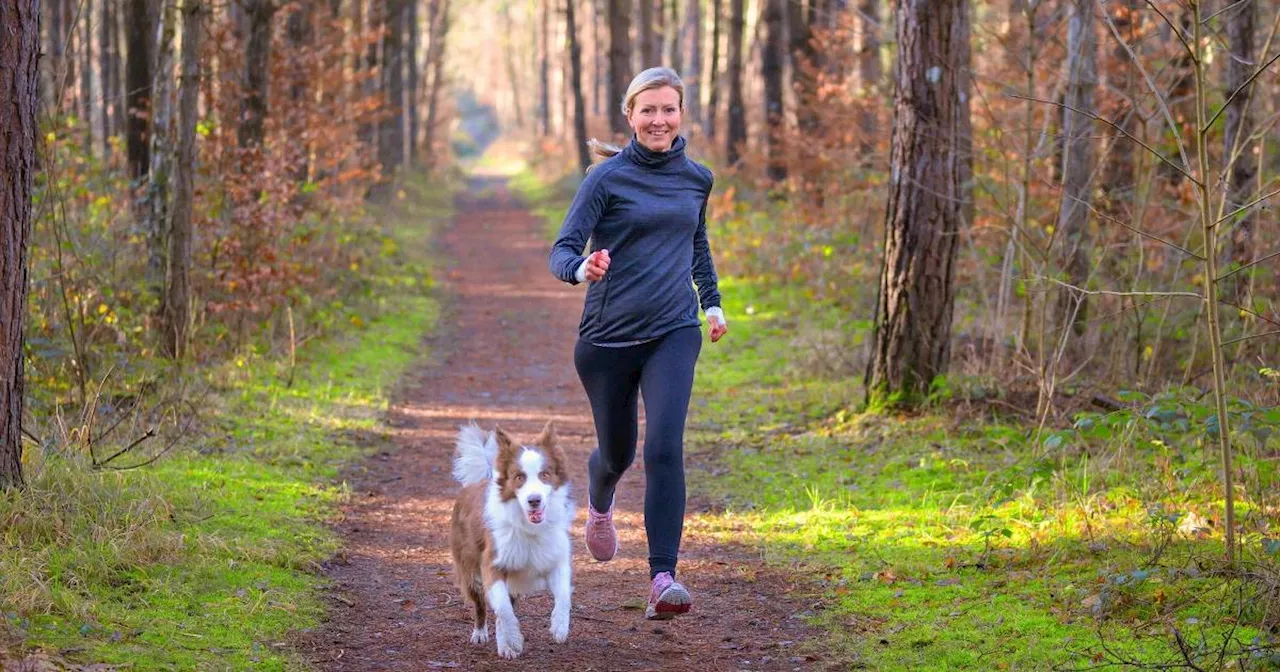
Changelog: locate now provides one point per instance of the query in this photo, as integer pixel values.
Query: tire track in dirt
(503, 354)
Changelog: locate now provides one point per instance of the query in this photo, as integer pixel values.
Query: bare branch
(1104, 292)
(1176, 30)
(1138, 231)
(1224, 10)
(1242, 87)
(1255, 262)
(1244, 207)
(1250, 337)
(1126, 134)
(149, 433)
(1242, 309)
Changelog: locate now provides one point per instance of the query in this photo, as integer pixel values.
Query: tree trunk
(139, 66)
(85, 13)
(771, 65)
(713, 72)
(928, 201)
(579, 104)
(20, 84)
(674, 40)
(513, 70)
(175, 314)
(52, 83)
(414, 94)
(1077, 158)
(803, 60)
(1241, 187)
(619, 62)
(869, 74)
(737, 137)
(391, 138)
(599, 69)
(691, 43)
(299, 31)
(257, 80)
(544, 69)
(161, 170)
(107, 62)
(648, 46)
(437, 80)
(70, 24)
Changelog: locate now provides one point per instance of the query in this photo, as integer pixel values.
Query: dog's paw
(560, 626)
(480, 635)
(510, 642)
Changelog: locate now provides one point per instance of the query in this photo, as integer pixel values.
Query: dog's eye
(520, 479)
(545, 475)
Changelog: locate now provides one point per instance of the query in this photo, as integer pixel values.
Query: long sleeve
(586, 210)
(704, 269)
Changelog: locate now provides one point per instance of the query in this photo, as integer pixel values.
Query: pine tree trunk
(257, 80)
(106, 65)
(713, 72)
(157, 197)
(176, 314)
(391, 138)
(579, 104)
(414, 94)
(691, 43)
(437, 80)
(648, 53)
(20, 84)
(674, 37)
(299, 31)
(544, 69)
(600, 68)
(619, 62)
(1077, 158)
(509, 52)
(70, 28)
(869, 75)
(1241, 186)
(85, 12)
(139, 66)
(52, 84)
(736, 140)
(928, 191)
(771, 65)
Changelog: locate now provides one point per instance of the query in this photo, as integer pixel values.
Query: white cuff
(581, 273)
(718, 313)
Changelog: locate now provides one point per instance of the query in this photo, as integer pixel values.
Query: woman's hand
(597, 265)
(718, 328)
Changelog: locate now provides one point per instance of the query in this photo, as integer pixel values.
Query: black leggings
(662, 371)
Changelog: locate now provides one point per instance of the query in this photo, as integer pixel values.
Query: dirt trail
(503, 354)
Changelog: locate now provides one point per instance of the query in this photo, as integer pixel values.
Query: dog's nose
(535, 501)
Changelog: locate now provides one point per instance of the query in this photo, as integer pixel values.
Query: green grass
(208, 559)
(944, 541)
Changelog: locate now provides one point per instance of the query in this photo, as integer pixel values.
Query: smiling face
(533, 476)
(655, 117)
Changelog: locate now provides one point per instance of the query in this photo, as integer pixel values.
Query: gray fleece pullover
(648, 209)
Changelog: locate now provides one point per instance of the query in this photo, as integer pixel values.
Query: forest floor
(502, 354)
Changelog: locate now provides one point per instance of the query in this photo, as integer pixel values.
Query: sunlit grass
(209, 557)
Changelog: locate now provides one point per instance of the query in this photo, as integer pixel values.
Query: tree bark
(691, 43)
(257, 70)
(300, 33)
(437, 80)
(737, 138)
(414, 93)
(713, 71)
(771, 65)
(176, 314)
(599, 69)
(1240, 189)
(513, 71)
(544, 69)
(673, 39)
(869, 74)
(20, 84)
(157, 197)
(929, 201)
(619, 62)
(70, 27)
(1077, 158)
(85, 12)
(649, 56)
(579, 104)
(106, 65)
(391, 138)
(139, 66)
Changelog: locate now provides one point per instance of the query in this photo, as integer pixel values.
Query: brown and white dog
(510, 533)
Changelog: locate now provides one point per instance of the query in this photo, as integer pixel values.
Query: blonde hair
(653, 78)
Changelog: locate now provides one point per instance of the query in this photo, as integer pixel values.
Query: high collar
(650, 159)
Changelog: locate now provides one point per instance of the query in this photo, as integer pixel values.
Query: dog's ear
(507, 449)
(556, 458)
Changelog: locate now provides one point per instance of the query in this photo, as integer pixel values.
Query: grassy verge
(207, 559)
(952, 541)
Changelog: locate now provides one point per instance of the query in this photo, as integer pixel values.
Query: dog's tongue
(535, 516)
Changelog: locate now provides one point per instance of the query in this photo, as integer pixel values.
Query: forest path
(503, 354)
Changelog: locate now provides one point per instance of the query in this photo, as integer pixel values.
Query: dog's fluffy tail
(477, 450)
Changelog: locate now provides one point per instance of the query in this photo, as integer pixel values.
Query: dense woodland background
(1041, 207)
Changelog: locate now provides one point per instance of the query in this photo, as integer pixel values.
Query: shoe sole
(674, 601)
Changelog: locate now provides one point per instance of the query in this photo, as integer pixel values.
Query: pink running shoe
(601, 533)
(667, 597)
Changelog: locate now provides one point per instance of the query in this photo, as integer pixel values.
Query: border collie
(510, 534)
